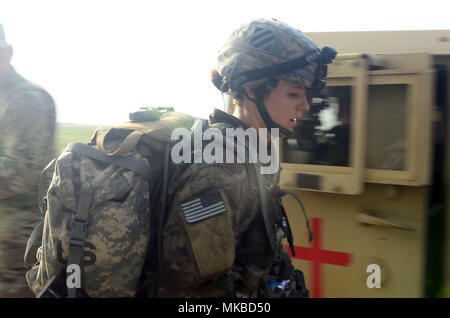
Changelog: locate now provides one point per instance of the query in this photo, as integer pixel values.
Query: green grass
(72, 133)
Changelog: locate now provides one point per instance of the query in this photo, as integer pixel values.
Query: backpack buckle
(79, 232)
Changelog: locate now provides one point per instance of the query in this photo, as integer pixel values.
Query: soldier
(27, 127)
(225, 224)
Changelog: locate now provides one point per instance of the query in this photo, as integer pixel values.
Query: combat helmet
(269, 49)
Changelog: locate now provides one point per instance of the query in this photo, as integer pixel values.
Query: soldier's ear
(249, 92)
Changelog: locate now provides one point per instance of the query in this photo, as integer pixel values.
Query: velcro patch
(206, 206)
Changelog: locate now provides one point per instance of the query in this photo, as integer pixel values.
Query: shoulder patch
(204, 207)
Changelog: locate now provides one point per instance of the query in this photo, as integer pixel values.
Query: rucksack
(98, 199)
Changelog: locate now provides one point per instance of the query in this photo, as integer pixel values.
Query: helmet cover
(263, 43)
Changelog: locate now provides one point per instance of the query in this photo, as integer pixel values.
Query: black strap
(289, 236)
(266, 117)
(56, 287)
(138, 165)
(268, 120)
(77, 238)
(326, 56)
(276, 69)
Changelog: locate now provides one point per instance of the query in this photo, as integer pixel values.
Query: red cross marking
(318, 256)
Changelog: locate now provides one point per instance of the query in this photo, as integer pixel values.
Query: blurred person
(27, 128)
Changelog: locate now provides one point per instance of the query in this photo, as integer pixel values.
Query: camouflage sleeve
(26, 142)
(206, 218)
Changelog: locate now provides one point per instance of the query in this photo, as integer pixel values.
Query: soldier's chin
(289, 128)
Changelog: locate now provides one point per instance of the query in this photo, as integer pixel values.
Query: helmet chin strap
(266, 117)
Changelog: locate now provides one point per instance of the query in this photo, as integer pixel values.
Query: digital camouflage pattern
(16, 225)
(262, 43)
(214, 257)
(229, 254)
(27, 128)
(27, 124)
(118, 227)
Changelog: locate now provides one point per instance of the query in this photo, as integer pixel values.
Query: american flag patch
(206, 206)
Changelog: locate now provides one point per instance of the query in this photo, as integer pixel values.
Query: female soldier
(225, 223)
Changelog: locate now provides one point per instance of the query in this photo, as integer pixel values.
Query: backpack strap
(56, 287)
(138, 165)
(129, 144)
(77, 238)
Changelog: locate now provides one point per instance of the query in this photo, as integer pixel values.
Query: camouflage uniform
(218, 240)
(226, 254)
(27, 124)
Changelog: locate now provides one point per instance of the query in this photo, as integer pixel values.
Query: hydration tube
(282, 193)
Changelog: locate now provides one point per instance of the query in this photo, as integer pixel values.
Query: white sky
(102, 59)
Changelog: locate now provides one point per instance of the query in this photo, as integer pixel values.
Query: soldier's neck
(248, 113)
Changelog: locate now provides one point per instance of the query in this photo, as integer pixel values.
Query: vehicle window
(323, 135)
(386, 129)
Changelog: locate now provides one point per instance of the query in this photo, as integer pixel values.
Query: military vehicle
(370, 162)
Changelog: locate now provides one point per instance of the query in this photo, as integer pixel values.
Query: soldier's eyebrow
(297, 85)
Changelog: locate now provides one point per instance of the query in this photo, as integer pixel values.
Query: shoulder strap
(138, 165)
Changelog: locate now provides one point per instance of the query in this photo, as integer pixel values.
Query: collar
(219, 116)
